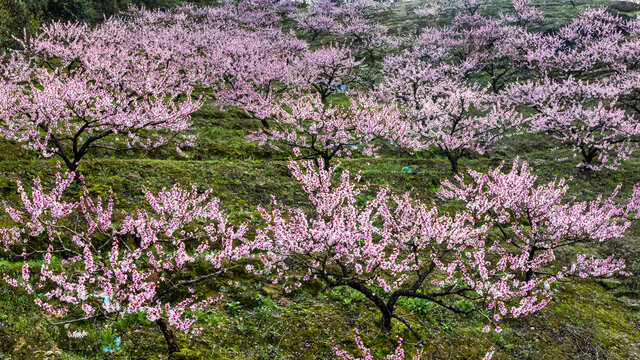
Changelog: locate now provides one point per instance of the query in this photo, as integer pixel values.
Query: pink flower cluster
(498, 251)
(122, 263)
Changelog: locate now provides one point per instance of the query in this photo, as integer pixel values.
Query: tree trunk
(326, 159)
(453, 159)
(385, 310)
(73, 168)
(77, 177)
(532, 254)
(172, 344)
(324, 95)
(385, 321)
(588, 155)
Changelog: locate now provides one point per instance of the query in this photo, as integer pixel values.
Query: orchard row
(326, 80)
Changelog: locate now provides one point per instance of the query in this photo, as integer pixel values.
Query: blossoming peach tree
(312, 129)
(72, 88)
(497, 255)
(582, 115)
(98, 264)
(458, 117)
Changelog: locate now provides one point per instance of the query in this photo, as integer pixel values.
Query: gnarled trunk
(172, 344)
(385, 310)
(453, 159)
(385, 320)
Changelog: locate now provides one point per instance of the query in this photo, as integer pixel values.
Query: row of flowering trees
(499, 251)
(134, 81)
(577, 84)
(581, 80)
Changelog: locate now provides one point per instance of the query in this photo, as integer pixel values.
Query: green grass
(257, 320)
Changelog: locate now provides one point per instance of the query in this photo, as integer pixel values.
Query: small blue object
(407, 169)
(339, 88)
(103, 296)
(112, 348)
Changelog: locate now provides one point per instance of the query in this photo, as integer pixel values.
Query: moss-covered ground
(588, 319)
(256, 320)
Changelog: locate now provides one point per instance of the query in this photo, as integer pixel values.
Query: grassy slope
(256, 320)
